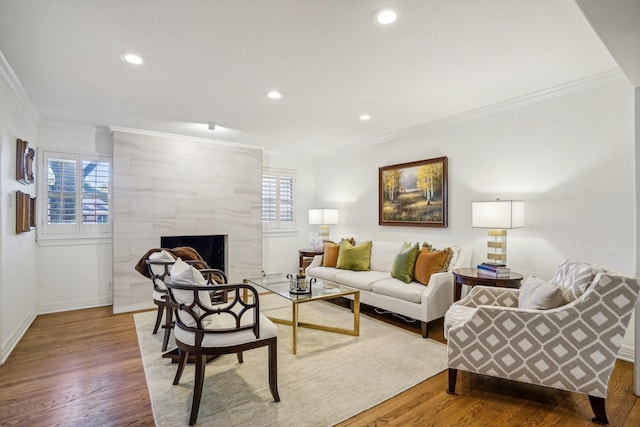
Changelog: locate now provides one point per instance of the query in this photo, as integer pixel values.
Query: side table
(306, 256)
(470, 277)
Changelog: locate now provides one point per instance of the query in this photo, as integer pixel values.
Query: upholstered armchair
(564, 334)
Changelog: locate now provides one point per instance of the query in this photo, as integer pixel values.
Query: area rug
(331, 378)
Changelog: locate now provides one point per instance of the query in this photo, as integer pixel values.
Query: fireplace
(211, 248)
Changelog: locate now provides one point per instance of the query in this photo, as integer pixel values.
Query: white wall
(89, 283)
(17, 251)
(569, 153)
(280, 249)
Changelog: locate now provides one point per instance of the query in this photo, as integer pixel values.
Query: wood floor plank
(83, 368)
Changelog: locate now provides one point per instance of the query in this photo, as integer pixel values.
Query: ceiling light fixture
(385, 16)
(132, 58)
(365, 117)
(274, 94)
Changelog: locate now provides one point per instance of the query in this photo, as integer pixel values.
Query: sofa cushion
(324, 273)
(574, 278)
(352, 257)
(404, 262)
(395, 288)
(383, 253)
(429, 262)
(538, 294)
(362, 280)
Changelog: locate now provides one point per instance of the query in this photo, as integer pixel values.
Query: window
(278, 201)
(77, 194)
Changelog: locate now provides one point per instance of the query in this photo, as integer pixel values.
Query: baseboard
(16, 336)
(627, 353)
(75, 305)
(135, 307)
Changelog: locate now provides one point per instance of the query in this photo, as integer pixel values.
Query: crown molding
(501, 106)
(185, 137)
(13, 83)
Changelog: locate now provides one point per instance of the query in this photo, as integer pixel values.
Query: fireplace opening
(211, 248)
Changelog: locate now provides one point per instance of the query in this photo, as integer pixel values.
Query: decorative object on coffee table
(299, 284)
(413, 194)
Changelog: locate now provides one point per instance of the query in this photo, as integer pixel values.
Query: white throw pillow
(538, 294)
(185, 274)
(159, 269)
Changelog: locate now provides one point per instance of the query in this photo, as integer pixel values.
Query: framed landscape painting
(413, 194)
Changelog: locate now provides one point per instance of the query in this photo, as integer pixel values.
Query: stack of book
(498, 271)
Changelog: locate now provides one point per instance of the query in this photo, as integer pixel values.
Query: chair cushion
(574, 278)
(538, 294)
(267, 330)
(404, 262)
(395, 288)
(362, 280)
(159, 296)
(352, 257)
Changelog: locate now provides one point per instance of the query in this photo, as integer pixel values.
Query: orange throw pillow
(429, 262)
(331, 250)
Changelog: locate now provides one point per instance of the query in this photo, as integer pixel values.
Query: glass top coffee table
(319, 291)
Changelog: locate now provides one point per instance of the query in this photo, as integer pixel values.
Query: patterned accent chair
(572, 347)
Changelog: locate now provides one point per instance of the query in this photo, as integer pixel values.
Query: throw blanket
(185, 253)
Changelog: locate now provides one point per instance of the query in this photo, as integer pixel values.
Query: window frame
(77, 230)
(278, 224)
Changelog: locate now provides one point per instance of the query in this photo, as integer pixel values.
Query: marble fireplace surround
(171, 185)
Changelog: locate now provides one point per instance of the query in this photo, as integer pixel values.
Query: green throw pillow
(354, 258)
(404, 262)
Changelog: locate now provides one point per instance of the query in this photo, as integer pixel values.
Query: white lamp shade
(323, 216)
(499, 214)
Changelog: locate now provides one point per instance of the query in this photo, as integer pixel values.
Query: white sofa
(379, 289)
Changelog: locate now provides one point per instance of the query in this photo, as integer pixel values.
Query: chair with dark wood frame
(233, 326)
(160, 271)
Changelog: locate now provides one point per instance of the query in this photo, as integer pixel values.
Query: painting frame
(414, 194)
(25, 157)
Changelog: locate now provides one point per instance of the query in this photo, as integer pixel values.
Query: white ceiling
(214, 60)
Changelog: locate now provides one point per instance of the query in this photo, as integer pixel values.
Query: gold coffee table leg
(294, 325)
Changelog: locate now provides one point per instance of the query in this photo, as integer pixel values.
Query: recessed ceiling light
(365, 117)
(274, 94)
(132, 58)
(385, 16)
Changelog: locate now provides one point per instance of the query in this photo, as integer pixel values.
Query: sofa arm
(438, 296)
(316, 262)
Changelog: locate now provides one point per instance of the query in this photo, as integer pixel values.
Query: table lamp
(323, 218)
(498, 216)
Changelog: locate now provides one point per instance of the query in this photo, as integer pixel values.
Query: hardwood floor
(83, 368)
